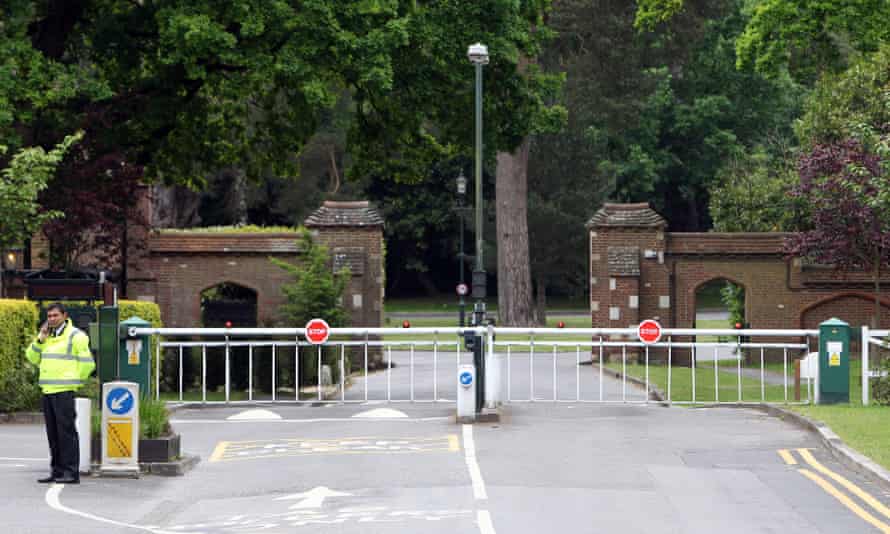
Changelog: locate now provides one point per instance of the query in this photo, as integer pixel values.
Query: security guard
(62, 352)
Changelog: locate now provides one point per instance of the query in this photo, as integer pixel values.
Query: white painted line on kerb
(483, 518)
(52, 499)
(473, 465)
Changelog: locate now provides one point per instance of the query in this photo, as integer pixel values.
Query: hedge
(18, 380)
(18, 326)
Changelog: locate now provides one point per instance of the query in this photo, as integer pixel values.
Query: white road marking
(13, 465)
(381, 413)
(475, 473)
(13, 459)
(312, 498)
(319, 420)
(254, 415)
(483, 518)
(52, 499)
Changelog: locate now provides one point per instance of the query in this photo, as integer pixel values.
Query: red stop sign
(649, 331)
(317, 331)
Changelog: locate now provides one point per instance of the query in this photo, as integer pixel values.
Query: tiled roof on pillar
(627, 215)
(350, 214)
(624, 261)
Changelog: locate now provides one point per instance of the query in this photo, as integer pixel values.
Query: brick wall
(779, 293)
(178, 267)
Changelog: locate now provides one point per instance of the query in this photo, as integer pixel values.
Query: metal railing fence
(580, 365)
(875, 348)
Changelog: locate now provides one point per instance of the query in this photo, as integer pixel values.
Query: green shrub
(154, 419)
(880, 386)
(18, 379)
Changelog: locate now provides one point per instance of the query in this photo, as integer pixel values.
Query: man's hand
(44, 332)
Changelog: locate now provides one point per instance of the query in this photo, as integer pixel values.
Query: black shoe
(48, 480)
(67, 480)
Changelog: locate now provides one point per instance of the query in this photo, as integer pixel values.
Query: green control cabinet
(134, 356)
(106, 342)
(834, 362)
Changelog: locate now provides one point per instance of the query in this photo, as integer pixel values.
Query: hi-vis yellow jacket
(65, 360)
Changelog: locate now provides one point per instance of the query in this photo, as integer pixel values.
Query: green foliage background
(18, 379)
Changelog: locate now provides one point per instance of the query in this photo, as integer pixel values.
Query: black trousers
(64, 448)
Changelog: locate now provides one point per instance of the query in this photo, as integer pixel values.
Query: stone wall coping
(204, 243)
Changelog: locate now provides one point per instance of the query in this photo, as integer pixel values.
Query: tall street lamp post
(478, 55)
(461, 194)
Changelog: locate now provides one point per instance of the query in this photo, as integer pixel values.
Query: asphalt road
(567, 467)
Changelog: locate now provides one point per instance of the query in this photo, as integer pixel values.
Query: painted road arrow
(312, 498)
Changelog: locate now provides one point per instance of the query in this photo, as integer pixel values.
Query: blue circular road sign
(119, 401)
(466, 378)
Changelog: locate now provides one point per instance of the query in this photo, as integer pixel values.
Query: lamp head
(461, 184)
(478, 54)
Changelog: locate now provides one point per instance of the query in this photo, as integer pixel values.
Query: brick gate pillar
(353, 233)
(629, 280)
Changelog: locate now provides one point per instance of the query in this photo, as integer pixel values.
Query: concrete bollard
(82, 422)
(466, 393)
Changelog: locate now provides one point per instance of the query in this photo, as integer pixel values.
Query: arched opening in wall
(222, 304)
(719, 303)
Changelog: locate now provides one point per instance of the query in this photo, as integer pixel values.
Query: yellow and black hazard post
(120, 429)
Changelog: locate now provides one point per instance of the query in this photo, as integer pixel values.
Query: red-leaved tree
(99, 197)
(842, 184)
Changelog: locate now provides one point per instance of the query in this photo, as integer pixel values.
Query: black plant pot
(162, 449)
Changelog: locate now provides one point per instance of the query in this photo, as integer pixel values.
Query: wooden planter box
(157, 450)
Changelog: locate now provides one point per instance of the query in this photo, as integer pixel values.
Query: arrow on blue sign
(466, 378)
(119, 401)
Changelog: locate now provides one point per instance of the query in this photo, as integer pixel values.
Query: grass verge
(708, 387)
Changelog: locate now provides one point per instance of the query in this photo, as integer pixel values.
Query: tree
(316, 291)
(850, 229)
(427, 117)
(701, 111)
(182, 90)
(753, 194)
(854, 103)
(174, 92)
(846, 128)
(21, 182)
(812, 37)
(806, 37)
(100, 198)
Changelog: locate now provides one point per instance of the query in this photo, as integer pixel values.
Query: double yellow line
(854, 507)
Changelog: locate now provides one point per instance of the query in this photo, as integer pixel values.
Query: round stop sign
(649, 331)
(317, 331)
